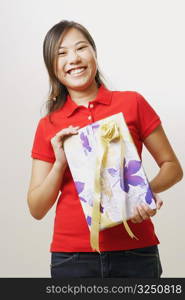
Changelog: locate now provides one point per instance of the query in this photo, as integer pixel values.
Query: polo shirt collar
(103, 96)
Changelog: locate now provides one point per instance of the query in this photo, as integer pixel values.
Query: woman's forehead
(72, 37)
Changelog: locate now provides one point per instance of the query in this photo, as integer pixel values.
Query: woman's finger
(67, 131)
(158, 201)
(143, 212)
(150, 212)
(159, 204)
(64, 132)
(136, 216)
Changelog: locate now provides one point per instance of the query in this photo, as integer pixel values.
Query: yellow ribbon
(108, 132)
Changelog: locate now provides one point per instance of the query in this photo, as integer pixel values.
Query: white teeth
(76, 71)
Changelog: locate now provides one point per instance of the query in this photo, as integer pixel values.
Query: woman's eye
(82, 47)
(61, 53)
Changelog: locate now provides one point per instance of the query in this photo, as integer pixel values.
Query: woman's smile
(76, 72)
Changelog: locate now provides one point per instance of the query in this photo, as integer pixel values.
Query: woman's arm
(46, 178)
(44, 187)
(170, 169)
(169, 174)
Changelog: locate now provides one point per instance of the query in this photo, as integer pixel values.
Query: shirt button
(89, 118)
(91, 105)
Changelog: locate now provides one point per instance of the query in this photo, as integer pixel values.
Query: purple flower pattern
(149, 196)
(85, 142)
(95, 126)
(80, 187)
(129, 177)
(89, 219)
(112, 172)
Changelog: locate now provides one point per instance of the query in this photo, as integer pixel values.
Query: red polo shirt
(71, 233)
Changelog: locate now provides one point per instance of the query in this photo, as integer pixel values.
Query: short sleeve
(42, 148)
(148, 119)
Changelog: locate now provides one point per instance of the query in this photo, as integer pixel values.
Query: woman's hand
(143, 211)
(57, 144)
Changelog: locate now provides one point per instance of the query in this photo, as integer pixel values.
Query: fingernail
(75, 130)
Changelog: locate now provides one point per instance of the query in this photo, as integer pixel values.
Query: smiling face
(76, 65)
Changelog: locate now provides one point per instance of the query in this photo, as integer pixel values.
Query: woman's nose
(73, 57)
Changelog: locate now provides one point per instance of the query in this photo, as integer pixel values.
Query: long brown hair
(58, 92)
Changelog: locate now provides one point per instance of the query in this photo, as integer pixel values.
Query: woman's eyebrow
(74, 44)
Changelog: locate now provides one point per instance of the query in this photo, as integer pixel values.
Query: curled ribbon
(108, 132)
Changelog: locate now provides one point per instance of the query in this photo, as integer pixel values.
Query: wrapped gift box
(107, 171)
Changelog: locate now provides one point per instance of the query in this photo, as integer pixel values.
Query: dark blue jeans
(136, 263)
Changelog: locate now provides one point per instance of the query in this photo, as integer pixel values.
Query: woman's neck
(85, 96)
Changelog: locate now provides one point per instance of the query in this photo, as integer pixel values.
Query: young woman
(79, 97)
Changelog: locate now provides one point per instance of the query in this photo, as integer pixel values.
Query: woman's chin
(80, 85)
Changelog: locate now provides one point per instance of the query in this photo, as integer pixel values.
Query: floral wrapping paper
(121, 177)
